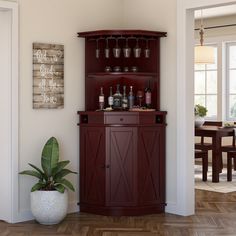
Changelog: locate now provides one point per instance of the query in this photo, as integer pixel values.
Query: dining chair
(230, 150)
(207, 146)
(204, 156)
(230, 155)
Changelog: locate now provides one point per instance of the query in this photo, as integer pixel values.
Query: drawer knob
(121, 119)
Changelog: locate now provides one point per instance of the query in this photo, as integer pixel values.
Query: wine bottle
(101, 99)
(131, 98)
(148, 96)
(124, 99)
(110, 98)
(117, 98)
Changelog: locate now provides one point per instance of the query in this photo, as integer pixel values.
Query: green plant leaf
(38, 186)
(59, 167)
(63, 173)
(60, 188)
(36, 168)
(32, 173)
(52, 172)
(66, 183)
(200, 110)
(50, 156)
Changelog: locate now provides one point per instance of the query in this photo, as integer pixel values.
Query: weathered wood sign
(48, 76)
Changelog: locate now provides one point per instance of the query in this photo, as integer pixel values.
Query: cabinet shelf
(119, 74)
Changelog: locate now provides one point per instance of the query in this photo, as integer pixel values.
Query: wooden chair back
(211, 123)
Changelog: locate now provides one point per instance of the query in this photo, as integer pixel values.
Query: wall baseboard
(26, 215)
(73, 207)
(171, 207)
(22, 216)
(174, 208)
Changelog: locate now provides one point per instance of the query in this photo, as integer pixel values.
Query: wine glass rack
(127, 57)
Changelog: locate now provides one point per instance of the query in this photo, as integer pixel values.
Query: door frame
(14, 145)
(185, 202)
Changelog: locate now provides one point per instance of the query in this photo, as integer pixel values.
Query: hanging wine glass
(137, 50)
(116, 50)
(147, 50)
(107, 50)
(126, 49)
(97, 49)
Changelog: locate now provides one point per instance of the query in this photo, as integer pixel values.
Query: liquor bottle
(124, 99)
(101, 99)
(117, 98)
(110, 98)
(131, 98)
(148, 96)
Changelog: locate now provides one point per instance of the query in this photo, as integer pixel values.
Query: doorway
(185, 88)
(214, 84)
(9, 110)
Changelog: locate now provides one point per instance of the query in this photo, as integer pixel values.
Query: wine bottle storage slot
(159, 119)
(84, 119)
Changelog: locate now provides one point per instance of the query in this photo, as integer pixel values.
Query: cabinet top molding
(99, 33)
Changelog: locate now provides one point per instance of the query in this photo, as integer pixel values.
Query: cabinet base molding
(122, 211)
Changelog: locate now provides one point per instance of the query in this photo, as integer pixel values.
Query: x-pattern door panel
(150, 151)
(94, 175)
(121, 158)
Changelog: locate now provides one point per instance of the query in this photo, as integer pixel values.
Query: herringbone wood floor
(215, 215)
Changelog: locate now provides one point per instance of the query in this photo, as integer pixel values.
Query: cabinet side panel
(82, 163)
(151, 173)
(92, 165)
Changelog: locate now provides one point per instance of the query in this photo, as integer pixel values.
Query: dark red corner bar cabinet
(122, 153)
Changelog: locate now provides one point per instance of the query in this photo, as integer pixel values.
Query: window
(231, 81)
(205, 87)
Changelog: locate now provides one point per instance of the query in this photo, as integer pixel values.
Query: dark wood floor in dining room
(215, 215)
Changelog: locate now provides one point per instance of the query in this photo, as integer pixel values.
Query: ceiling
(216, 11)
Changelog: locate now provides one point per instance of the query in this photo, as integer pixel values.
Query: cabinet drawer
(121, 119)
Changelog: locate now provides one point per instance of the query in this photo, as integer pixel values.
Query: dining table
(216, 133)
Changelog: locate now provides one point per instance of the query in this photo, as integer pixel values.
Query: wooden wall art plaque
(48, 76)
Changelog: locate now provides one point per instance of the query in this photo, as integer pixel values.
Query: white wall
(5, 118)
(56, 21)
(161, 16)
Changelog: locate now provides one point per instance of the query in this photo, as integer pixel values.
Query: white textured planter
(199, 121)
(49, 207)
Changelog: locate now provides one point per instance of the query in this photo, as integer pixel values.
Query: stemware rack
(134, 71)
(119, 40)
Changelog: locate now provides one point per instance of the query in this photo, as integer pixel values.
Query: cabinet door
(151, 165)
(92, 165)
(121, 158)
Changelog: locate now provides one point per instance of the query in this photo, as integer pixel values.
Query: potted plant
(49, 196)
(200, 112)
